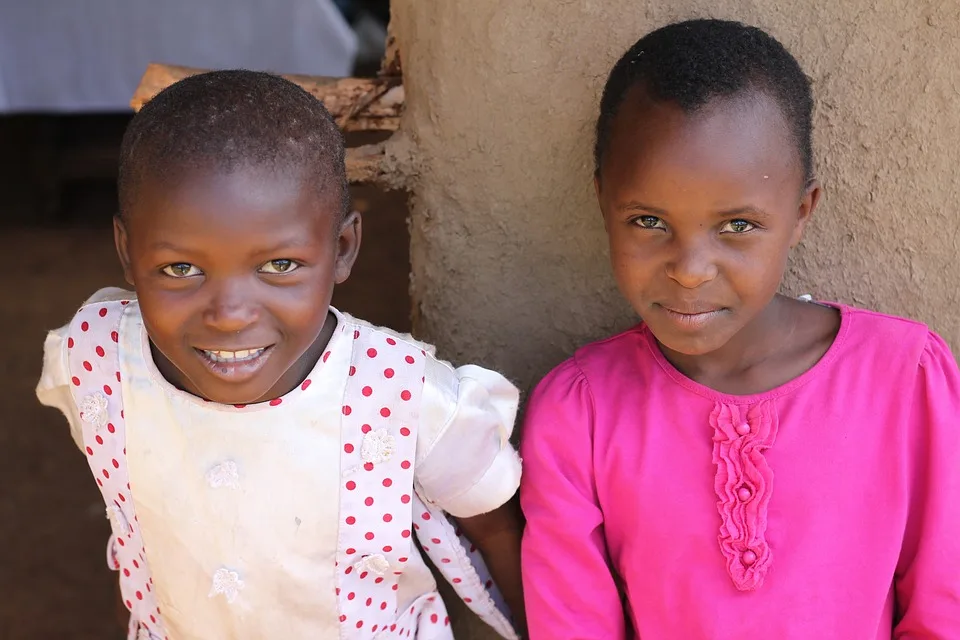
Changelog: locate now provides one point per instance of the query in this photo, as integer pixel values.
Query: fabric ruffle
(744, 484)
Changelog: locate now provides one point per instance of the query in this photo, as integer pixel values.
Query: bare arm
(497, 535)
(467, 467)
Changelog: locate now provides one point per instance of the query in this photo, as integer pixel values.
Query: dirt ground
(54, 583)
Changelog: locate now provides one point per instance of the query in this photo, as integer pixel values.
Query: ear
(808, 204)
(596, 189)
(348, 246)
(121, 240)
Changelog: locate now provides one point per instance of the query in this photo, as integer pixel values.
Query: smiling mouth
(237, 366)
(231, 357)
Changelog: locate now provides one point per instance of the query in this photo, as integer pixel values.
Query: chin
(688, 345)
(250, 393)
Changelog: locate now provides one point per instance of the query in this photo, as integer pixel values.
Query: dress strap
(93, 358)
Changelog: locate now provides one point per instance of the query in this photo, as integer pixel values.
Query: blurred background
(68, 69)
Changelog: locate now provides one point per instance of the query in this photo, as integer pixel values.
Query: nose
(692, 264)
(231, 307)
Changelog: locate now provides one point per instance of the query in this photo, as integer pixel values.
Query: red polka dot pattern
(378, 508)
(460, 563)
(93, 358)
(373, 551)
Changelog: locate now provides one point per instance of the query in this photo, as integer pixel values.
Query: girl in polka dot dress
(271, 465)
(741, 465)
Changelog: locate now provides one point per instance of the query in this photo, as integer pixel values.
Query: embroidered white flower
(375, 564)
(224, 475)
(378, 446)
(226, 582)
(118, 521)
(93, 409)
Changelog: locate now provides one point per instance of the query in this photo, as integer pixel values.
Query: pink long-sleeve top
(827, 508)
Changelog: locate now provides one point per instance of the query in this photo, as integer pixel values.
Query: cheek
(630, 256)
(166, 314)
(756, 271)
(302, 309)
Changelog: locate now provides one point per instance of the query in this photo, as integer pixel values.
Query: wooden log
(358, 104)
(390, 65)
(365, 163)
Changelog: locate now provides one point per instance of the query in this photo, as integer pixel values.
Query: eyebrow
(286, 244)
(750, 210)
(639, 206)
(163, 245)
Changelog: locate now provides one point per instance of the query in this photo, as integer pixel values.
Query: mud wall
(508, 255)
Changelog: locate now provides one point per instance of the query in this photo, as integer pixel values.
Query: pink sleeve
(568, 587)
(928, 575)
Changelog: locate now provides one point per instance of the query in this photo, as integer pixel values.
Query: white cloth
(89, 55)
(233, 501)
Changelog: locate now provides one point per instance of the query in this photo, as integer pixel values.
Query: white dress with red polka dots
(294, 518)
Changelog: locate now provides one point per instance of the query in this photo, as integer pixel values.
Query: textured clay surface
(508, 254)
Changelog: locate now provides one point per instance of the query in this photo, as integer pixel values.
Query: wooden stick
(365, 163)
(358, 104)
(390, 65)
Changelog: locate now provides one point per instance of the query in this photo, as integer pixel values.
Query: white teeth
(233, 356)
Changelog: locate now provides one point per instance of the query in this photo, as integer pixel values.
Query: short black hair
(693, 62)
(229, 119)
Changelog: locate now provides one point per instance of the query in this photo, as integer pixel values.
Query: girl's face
(701, 211)
(234, 273)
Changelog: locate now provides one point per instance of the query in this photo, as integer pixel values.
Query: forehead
(245, 200)
(731, 139)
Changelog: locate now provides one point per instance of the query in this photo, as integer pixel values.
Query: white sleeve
(465, 462)
(53, 390)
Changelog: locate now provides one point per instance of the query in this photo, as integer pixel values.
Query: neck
(759, 340)
(300, 369)
(289, 381)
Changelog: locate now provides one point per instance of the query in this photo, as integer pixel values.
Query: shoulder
(895, 341)
(445, 385)
(105, 307)
(397, 348)
(563, 401)
(876, 325)
(594, 364)
(937, 353)
(565, 381)
(95, 310)
(889, 352)
(111, 296)
(409, 348)
(603, 353)
(384, 334)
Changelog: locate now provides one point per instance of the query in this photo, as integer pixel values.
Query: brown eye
(650, 222)
(181, 270)
(737, 226)
(281, 265)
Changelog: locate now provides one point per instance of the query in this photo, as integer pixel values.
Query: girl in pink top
(741, 465)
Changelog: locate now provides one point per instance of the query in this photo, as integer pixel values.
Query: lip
(691, 317)
(235, 365)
